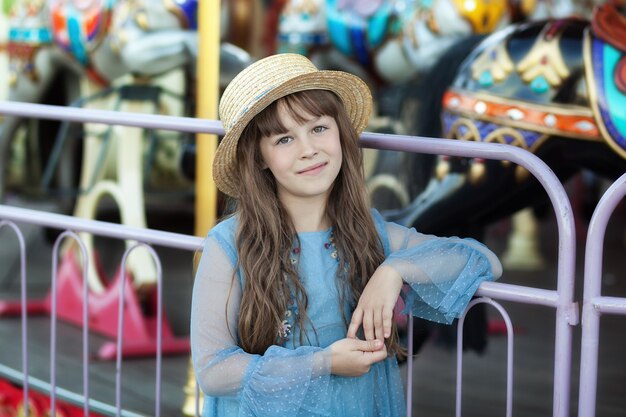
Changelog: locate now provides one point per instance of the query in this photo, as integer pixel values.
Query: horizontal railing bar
(111, 117)
(517, 293)
(100, 228)
(69, 396)
(609, 305)
(531, 162)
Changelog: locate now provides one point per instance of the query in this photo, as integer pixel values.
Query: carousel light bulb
(470, 5)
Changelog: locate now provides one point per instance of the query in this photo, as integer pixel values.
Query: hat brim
(352, 91)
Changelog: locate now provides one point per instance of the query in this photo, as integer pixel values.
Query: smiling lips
(314, 169)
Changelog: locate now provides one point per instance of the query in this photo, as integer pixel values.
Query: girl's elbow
(496, 268)
(215, 384)
(218, 378)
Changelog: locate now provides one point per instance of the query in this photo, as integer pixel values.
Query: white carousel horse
(91, 44)
(71, 41)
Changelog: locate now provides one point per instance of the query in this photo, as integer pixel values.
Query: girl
(294, 294)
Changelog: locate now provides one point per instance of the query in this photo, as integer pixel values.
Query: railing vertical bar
(509, 355)
(120, 336)
(53, 338)
(23, 306)
(85, 259)
(592, 289)
(159, 327)
(409, 365)
(197, 400)
(53, 327)
(53, 309)
(459, 363)
(159, 341)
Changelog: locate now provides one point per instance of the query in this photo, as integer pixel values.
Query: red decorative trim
(609, 25)
(532, 117)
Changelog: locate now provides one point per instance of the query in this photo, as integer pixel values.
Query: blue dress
(294, 379)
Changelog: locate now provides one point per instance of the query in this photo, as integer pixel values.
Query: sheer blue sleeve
(443, 273)
(286, 382)
(280, 382)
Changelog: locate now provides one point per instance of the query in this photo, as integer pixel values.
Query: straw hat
(267, 80)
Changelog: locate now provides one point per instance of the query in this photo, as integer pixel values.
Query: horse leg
(29, 90)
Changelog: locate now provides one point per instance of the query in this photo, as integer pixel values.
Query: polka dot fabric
(294, 379)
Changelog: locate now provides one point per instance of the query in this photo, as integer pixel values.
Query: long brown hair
(265, 235)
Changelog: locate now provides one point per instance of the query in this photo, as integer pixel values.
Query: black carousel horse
(556, 88)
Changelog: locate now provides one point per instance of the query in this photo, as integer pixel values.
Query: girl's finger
(378, 325)
(377, 356)
(355, 322)
(368, 345)
(387, 321)
(368, 325)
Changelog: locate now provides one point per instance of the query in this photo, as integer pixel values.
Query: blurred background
(546, 76)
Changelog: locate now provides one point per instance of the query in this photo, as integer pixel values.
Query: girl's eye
(319, 129)
(284, 140)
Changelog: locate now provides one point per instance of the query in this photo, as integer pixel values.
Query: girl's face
(306, 158)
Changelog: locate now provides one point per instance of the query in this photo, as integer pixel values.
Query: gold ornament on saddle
(492, 66)
(544, 66)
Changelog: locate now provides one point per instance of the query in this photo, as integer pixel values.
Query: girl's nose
(308, 148)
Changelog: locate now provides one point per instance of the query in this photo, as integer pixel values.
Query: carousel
(102, 158)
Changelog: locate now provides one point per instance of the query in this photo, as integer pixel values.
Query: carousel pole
(206, 193)
(207, 96)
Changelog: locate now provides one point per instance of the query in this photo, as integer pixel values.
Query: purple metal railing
(560, 299)
(53, 320)
(594, 303)
(24, 316)
(9, 216)
(509, 355)
(159, 333)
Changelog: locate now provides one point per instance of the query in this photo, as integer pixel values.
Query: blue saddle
(606, 77)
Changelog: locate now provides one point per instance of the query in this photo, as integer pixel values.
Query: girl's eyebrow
(312, 120)
(317, 118)
(278, 134)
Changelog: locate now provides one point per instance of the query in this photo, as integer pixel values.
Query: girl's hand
(353, 357)
(375, 308)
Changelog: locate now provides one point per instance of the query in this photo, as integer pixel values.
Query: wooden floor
(434, 370)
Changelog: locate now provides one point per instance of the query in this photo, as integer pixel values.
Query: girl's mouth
(314, 169)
